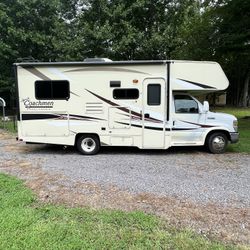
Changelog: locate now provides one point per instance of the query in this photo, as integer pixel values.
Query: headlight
(235, 125)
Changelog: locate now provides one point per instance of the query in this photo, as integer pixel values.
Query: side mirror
(205, 106)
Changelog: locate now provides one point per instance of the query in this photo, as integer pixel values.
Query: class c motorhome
(146, 104)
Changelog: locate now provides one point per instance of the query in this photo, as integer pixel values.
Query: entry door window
(154, 94)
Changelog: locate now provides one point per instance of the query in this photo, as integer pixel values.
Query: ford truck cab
(194, 124)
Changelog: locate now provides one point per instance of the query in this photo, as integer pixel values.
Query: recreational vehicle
(146, 104)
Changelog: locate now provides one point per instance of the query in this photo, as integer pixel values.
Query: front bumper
(234, 137)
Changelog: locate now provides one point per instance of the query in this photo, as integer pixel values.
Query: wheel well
(81, 134)
(216, 131)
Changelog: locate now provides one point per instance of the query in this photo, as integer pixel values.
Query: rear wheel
(88, 144)
(217, 143)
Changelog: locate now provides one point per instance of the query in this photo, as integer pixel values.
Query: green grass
(8, 125)
(27, 224)
(244, 128)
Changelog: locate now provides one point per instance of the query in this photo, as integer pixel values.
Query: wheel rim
(88, 145)
(219, 143)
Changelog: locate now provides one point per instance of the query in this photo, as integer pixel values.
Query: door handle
(147, 115)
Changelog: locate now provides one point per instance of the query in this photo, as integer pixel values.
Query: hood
(221, 119)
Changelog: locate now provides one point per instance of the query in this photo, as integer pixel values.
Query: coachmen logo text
(37, 104)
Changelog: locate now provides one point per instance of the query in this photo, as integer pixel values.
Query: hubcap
(219, 143)
(88, 145)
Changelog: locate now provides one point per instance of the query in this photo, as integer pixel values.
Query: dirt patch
(15, 147)
(5, 136)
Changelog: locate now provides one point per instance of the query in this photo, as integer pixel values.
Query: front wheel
(217, 143)
(88, 144)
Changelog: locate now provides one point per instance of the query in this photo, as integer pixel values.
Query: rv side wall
(102, 100)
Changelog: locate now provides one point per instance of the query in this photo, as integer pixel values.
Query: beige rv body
(92, 108)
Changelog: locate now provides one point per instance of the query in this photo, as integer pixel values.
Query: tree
(27, 28)
(133, 29)
(234, 46)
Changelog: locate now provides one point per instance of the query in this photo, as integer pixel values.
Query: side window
(154, 94)
(58, 90)
(185, 104)
(125, 93)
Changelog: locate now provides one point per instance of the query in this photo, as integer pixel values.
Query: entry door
(154, 113)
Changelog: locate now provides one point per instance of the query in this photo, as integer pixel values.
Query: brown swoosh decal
(114, 104)
(201, 125)
(37, 73)
(107, 70)
(74, 94)
(86, 117)
(121, 108)
(139, 118)
(59, 117)
(145, 127)
(155, 128)
(197, 84)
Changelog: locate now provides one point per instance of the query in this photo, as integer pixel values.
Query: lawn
(8, 125)
(244, 128)
(27, 224)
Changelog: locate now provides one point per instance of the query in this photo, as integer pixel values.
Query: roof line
(115, 63)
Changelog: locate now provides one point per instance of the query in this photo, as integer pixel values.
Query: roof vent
(97, 60)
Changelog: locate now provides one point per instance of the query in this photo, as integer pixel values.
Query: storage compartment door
(48, 124)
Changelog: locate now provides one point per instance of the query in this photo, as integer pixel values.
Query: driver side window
(185, 104)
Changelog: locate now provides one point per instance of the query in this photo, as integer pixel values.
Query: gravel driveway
(180, 178)
(200, 177)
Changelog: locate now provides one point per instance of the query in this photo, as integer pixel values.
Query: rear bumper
(234, 137)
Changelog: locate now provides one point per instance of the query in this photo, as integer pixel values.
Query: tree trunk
(245, 94)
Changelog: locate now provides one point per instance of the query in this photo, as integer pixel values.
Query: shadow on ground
(59, 149)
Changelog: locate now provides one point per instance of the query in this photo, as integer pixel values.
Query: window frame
(186, 112)
(51, 83)
(126, 97)
(150, 84)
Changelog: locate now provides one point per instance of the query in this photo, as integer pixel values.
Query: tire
(88, 144)
(217, 143)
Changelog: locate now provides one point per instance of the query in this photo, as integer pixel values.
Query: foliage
(233, 48)
(10, 126)
(27, 224)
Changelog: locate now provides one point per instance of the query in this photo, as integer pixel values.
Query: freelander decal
(30, 104)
